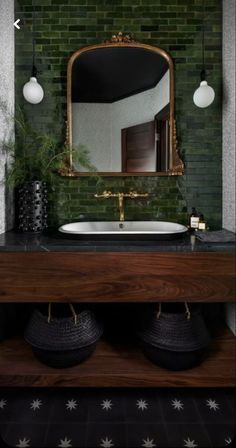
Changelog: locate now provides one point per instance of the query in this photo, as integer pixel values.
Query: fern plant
(36, 155)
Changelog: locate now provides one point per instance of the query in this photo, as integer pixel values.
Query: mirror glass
(120, 108)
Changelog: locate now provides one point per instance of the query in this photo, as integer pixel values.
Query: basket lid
(172, 331)
(62, 333)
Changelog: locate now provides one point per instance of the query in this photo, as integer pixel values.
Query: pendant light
(32, 90)
(204, 95)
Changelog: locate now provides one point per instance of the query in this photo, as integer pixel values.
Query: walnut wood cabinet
(117, 277)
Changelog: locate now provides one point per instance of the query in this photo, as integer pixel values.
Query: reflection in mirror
(120, 107)
(109, 130)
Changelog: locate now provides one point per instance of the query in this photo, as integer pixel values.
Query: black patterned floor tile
(3, 444)
(117, 418)
(30, 407)
(3, 430)
(66, 435)
(179, 408)
(221, 435)
(187, 435)
(26, 435)
(106, 435)
(146, 435)
(142, 406)
(230, 396)
(214, 408)
(69, 406)
(6, 406)
(106, 406)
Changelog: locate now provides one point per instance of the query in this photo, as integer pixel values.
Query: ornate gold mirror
(120, 107)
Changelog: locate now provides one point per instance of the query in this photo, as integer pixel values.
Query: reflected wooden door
(139, 148)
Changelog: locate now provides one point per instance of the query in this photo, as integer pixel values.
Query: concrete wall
(229, 120)
(7, 89)
(229, 114)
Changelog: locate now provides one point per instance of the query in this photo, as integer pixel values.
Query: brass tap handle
(134, 194)
(105, 194)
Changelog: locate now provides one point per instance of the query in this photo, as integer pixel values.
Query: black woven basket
(63, 342)
(8, 320)
(173, 339)
(2, 322)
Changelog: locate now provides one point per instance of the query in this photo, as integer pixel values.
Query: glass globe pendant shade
(204, 95)
(32, 91)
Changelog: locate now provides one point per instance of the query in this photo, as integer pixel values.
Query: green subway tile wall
(63, 26)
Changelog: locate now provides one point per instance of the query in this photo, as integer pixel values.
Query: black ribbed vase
(32, 206)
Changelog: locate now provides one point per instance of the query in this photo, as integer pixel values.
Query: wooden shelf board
(117, 366)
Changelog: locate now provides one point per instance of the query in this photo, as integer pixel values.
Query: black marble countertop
(54, 241)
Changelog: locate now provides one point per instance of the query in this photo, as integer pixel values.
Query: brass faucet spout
(121, 206)
(121, 196)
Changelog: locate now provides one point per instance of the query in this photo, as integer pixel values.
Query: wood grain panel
(118, 277)
(117, 366)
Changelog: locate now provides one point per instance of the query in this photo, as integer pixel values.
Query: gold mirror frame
(120, 40)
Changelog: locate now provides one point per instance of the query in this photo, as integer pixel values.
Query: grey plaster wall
(229, 120)
(229, 114)
(6, 104)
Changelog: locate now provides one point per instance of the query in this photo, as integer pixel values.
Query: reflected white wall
(98, 126)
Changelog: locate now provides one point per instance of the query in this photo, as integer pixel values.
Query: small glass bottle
(202, 223)
(193, 219)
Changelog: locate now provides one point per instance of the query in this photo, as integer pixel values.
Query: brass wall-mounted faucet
(121, 196)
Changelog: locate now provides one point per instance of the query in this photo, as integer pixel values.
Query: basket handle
(187, 311)
(50, 312)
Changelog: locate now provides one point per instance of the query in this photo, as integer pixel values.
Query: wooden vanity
(99, 275)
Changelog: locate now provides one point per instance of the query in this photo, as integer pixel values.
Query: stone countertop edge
(49, 241)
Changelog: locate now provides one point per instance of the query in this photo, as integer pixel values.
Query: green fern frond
(37, 155)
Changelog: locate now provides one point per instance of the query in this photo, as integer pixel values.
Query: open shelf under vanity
(117, 365)
(123, 277)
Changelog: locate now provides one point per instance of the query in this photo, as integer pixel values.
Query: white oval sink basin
(127, 228)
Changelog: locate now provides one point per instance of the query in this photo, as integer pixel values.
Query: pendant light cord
(34, 69)
(203, 72)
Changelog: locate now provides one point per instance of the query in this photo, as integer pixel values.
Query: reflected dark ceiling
(105, 75)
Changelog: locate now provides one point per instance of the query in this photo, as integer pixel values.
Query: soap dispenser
(202, 223)
(193, 219)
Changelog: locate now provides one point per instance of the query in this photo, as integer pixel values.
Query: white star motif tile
(3, 403)
(65, 443)
(139, 410)
(148, 443)
(36, 404)
(177, 404)
(71, 404)
(142, 404)
(106, 443)
(212, 404)
(190, 443)
(23, 443)
(106, 405)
